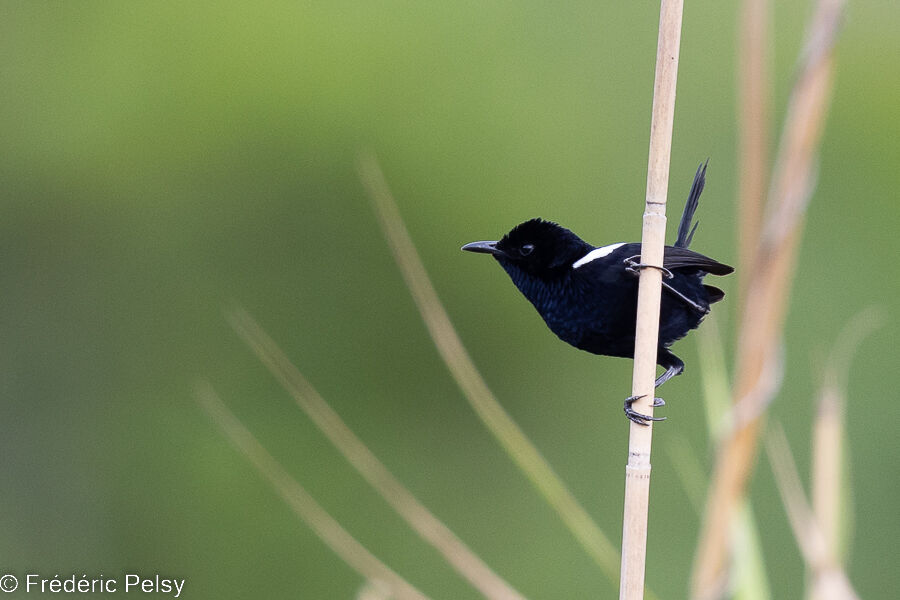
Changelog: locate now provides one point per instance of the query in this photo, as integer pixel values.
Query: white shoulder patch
(596, 253)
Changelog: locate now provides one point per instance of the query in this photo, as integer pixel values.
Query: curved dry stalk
(459, 556)
(516, 444)
(304, 506)
(769, 285)
(860, 326)
(830, 579)
(653, 240)
(754, 89)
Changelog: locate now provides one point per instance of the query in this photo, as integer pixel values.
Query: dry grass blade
(714, 377)
(476, 391)
(687, 467)
(422, 521)
(374, 590)
(828, 460)
(303, 505)
(653, 239)
(749, 580)
(831, 579)
(769, 285)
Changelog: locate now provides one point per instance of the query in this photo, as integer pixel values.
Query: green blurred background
(164, 160)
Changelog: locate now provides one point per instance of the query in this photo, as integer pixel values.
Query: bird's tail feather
(685, 231)
(714, 293)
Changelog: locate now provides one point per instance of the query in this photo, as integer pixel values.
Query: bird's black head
(537, 247)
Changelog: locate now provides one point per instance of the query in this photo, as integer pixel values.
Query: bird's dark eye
(526, 249)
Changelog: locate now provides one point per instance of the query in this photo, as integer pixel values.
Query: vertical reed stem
(637, 471)
(754, 89)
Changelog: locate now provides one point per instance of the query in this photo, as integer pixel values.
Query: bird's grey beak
(484, 248)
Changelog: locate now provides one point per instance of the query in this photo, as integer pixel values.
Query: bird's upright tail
(685, 231)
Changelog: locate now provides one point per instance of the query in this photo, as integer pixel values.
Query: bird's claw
(634, 265)
(641, 419)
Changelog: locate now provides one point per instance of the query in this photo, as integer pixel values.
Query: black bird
(588, 295)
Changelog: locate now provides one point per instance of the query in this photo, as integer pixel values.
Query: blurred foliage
(164, 160)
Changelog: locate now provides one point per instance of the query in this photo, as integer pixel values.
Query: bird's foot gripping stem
(637, 417)
(634, 266)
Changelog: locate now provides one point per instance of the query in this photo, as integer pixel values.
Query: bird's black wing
(682, 258)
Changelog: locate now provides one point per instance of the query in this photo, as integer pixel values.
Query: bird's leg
(637, 417)
(641, 419)
(669, 374)
(674, 366)
(634, 266)
(685, 299)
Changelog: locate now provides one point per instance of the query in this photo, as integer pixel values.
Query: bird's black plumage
(588, 295)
